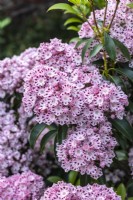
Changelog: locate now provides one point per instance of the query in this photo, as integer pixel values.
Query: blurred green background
(26, 23)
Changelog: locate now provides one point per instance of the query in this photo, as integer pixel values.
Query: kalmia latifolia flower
(66, 191)
(121, 28)
(13, 71)
(71, 98)
(25, 186)
(15, 153)
(87, 150)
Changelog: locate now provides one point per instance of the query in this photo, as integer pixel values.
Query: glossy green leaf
(123, 127)
(72, 177)
(86, 46)
(75, 2)
(126, 71)
(35, 132)
(78, 182)
(121, 191)
(85, 179)
(130, 5)
(73, 28)
(54, 179)
(5, 22)
(46, 138)
(122, 48)
(75, 39)
(96, 50)
(72, 20)
(116, 80)
(109, 46)
(62, 6)
(64, 131)
(81, 41)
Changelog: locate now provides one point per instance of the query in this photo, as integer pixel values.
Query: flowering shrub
(80, 95)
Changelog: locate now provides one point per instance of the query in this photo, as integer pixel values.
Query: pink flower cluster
(74, 97)
(121, 28)
(13, 71)
(87, 150)
(66, 191)
(25, 186)
(15, 153)
(60, 90)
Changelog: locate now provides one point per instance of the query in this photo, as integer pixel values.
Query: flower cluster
(25, 186)
(74, 97)
(66, 191)
(13, 71)
(15, 153)
(121, 28)
(87, 150)
(60, 90)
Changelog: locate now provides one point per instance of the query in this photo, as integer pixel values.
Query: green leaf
(5, 22)
(99, 3)
(121, 190)
(121, 155)
(130, 5)
(62, 6)
(109, 46)
(72, 20)
(46, 138)
(75, 39)
(75, 2)
(122, 48)
(72, 177)
(85, 48)
(73, 28)
(130, 198)
(85, 179)
(95, 50)
(116, 80)
(123, 127)
(81, 41)
(126, 71)
(35, 132)
(54, 179)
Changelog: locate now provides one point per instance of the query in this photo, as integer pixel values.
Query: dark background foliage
(30, 25)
